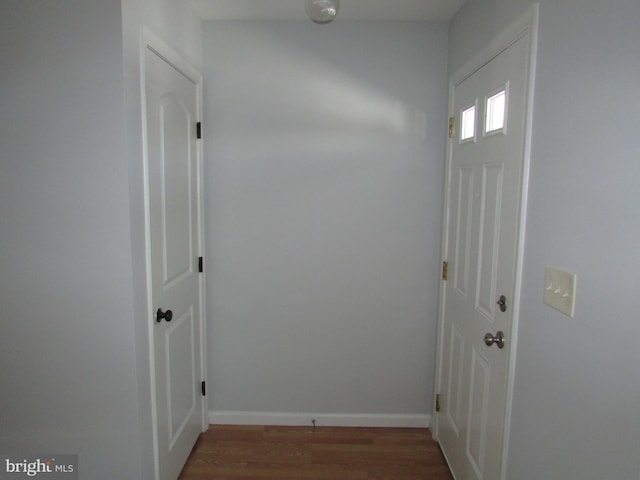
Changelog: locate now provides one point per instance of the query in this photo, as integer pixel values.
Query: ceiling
(364, 10)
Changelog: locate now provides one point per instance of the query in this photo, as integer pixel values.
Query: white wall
(67, 356)
(577, 390)
(74, 364)
(325, 148)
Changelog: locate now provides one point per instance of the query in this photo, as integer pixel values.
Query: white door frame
(152, 42)
(526, 24)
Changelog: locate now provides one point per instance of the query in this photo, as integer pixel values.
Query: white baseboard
(321, 419)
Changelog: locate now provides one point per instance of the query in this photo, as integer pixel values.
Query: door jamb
(151, 41)
(526, 24)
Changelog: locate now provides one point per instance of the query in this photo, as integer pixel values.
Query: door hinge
(203, 386)
(452, 127)
(199, 130)
(200, 265)
(438, 402)
(445, 270)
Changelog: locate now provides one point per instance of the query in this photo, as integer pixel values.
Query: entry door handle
(168, 315)
(498, 339)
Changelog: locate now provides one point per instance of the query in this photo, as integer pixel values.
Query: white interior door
(175, 245)
(485, 198)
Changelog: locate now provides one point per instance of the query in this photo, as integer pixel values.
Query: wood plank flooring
(322, 453)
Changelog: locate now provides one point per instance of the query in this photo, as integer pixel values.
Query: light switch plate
(560, 289)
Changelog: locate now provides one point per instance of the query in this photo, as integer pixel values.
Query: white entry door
(484, 207)
(175, 247)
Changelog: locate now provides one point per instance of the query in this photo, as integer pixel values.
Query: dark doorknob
(502, 303)
(168, 315)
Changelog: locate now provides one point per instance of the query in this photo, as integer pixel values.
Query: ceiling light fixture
(322, 11)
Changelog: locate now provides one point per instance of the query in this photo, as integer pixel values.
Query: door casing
(526, 24)
(150, 41)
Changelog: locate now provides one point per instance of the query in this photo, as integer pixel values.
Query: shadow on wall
(311, 99)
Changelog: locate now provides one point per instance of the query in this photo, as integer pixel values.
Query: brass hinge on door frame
(445, 270)
(437, 402)
(452, 127)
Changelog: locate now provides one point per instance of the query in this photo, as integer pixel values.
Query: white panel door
(484, 198)
(172, 108)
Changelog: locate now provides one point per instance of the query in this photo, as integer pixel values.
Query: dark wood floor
(322, 453)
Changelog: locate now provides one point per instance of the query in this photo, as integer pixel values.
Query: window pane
(495, 112)
(468, 127)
